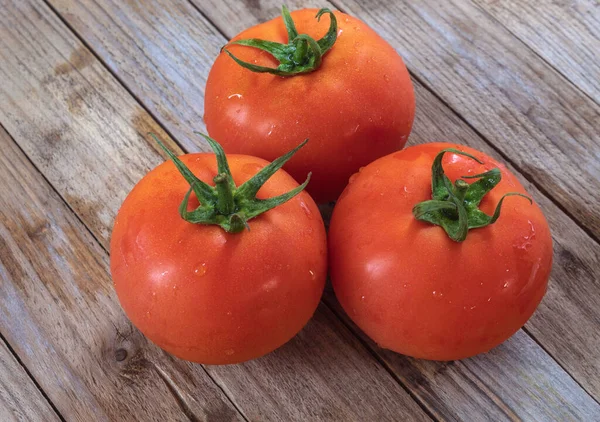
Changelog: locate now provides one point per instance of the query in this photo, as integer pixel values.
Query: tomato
(412, 288)
(208, 295)
(358, 105)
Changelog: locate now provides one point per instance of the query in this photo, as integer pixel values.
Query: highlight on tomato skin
(226, 279)
(355, 103)
(438, 252)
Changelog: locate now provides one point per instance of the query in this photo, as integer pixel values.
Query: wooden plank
(59, 313)
(575, 279)
(434, 122)
(350, 377)
(573, 248)
(134, 41)
(20, 399)
(544, 125)
(515, 381)
(565, 33)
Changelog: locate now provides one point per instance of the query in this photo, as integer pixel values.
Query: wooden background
(83, 81)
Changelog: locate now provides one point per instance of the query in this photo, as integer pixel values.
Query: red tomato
(357, 106)
(414, 290)
(207, 295)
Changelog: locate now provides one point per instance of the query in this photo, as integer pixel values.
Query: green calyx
(456, 207)
(302, 54)
(226, 204)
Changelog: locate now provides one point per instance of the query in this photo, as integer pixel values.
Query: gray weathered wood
(102, 140)
(545, 126)
(20, 399)
(575, 279)
(564, 33)
(515, 381)
(434, 122)
(60, 314)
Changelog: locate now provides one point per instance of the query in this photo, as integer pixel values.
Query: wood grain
(524, 108)
(59, 313)
(20, 399)
(565, 33)
(434, 122)
(135, 42)
(84, 313)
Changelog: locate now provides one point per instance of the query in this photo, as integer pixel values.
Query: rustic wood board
(59, 313)
(356, 386)
(545, 126)
(20, 399)
(84, 128)
(434, 118)
(565, 33)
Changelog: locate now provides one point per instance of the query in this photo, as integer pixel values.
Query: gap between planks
(542, 58)
(4, 342)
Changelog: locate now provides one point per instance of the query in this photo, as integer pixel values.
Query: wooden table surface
(83, 81)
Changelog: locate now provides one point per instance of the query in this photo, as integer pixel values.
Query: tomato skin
(206, 295)
(358, 106)
(411, 288)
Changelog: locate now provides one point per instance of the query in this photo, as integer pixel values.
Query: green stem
(225, 202)
(227, 205)
(302, 54)
(455, 208)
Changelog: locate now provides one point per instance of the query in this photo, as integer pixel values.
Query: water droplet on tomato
(312, 274)
(200, 270)
(505, 285)
(229, 313)
(238, 96)
(229, 352)
(405, 285)
(437, 294)
(489, 299)
(362, 298)
(386, 78)
(306, 210)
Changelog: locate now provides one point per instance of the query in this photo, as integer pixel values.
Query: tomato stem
(225, 204)
(455, 208)
(302, 53)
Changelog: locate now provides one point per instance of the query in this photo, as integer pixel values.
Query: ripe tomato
(412, 288)
(357, 106)
(207, 295)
